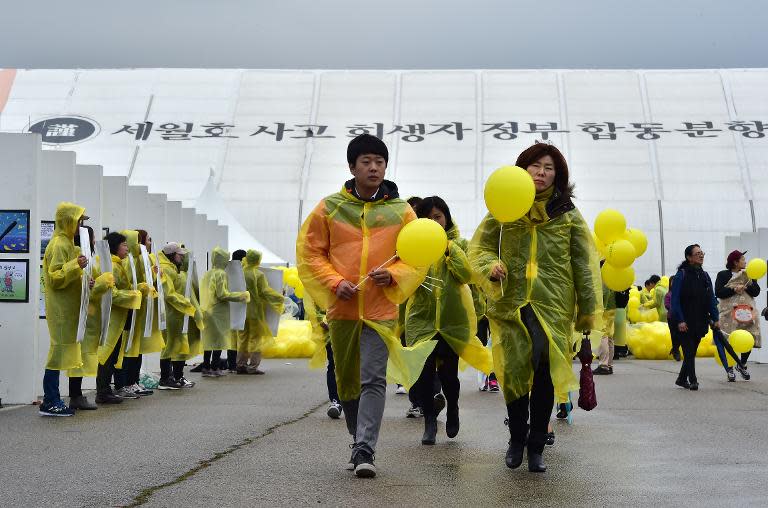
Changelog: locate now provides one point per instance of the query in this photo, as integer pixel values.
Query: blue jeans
(51, 393)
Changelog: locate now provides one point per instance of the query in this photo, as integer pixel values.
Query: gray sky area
(388, 34)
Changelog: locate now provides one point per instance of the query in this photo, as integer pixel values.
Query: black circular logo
(65, 130)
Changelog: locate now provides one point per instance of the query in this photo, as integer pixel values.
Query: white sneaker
(401, 390)
(334, 410)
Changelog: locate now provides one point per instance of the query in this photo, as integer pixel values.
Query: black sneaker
(108, 398)
(364, 467)
(351, 464)
(169, 384)
(562, 412)
(185, 383)
(602, 370)
(683, 383)
(731, 375)
(198, 368)
(550, 438)
(58, 409)
(743, 371)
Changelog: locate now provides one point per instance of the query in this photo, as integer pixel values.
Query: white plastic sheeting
(692, 184)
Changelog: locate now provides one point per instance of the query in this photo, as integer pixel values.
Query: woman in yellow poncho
(549, 275)
(345, 239)
(177, 307)
(124, 300)
(256, 335)
(442, 310)
(89, 347)
(62, 272)
(214, 299)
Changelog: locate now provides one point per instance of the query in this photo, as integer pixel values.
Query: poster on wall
(46, 233)
(42, 294)
(14, 280)
(14, 231)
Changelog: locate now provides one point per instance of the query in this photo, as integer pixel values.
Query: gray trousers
(363, 415)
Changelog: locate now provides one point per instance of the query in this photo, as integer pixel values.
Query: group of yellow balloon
(619, 247)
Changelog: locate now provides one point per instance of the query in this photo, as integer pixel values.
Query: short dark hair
(365, 144)
(238, 255)
(426, 205)
(114, 239)
(539, 150)
(413, 201)
(654, 279)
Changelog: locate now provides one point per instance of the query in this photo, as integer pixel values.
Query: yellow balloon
(509, 193)
(599, 245)
(610, 225)
(742, 341)
(299, 291)
(421, 242)
(756, 268)
(617, 279)
(638, 240)
(620, 253)
(728, 358)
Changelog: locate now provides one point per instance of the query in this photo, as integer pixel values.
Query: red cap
(734, 256)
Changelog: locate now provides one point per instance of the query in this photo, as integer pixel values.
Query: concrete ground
(265, 440)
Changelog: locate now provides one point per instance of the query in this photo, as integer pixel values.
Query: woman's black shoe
(452, 422)
(694, 386)
(550, 438)
(562, 414)
(430, 431)
(536, 463)
(684, 383)
(514, 454)
(536, 442)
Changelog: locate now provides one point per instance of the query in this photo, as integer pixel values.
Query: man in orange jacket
(349, 236)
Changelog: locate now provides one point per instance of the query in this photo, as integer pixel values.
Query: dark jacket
(387, 190)
(723, 292)
(693, 299)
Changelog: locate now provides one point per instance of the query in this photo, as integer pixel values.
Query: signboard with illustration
(14, 280)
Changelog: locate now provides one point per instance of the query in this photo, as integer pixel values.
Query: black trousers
(75, 387)
(170, 369)
(104, 373)
(539, 402)
(689, 342)
(445, 362)
(675, 334)
(130, 373)
(484, 333)
(232, 359)
(330, 375)
(212, 359)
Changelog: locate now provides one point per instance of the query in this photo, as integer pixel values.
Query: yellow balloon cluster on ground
(652, 341)
(294, 340)
(619, 247)
(509, 193)
(637, 314)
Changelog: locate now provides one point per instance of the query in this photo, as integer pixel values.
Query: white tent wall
(201, 243)
(188, 228)
(641, 141)
(173, 222)
(20, 162)
(156, 219)
(89, 193)
(57, 184)
(137, 206)
(114, 207)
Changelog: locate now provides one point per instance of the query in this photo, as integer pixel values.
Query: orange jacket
(344, 238)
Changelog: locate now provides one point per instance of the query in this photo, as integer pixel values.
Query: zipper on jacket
(363, 261)
(532, 267)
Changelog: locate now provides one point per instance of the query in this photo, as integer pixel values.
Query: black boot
(518, 437)
(536, 442)
(452, 420)
(430, 429)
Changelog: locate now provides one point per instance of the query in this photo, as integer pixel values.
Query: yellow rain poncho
(553, 266)
(655, 300)
(257, 335)
(446, 308)
(344, 238)
(89, 347)
(141, 344)
(62, 275)
(320, 335)
(176, 307)
(124, 298)
(195, 325)
(214, 298)
(609, 312)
